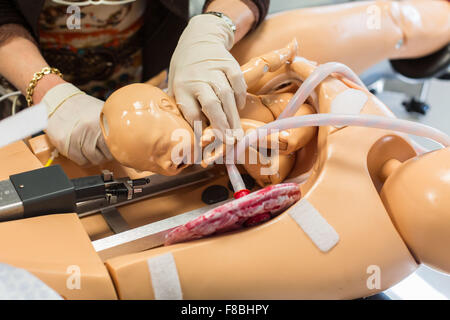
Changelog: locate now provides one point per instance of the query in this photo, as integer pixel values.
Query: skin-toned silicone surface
(130, 112)
(17, 156)
(138, 213)
(42, 149)
(289, 264)
(55, 248)
(268, 61)
(277, 168)
(284, 261)
(257, 108)
(417, 197)
(358, 34)
(266, 168)
(128, 117)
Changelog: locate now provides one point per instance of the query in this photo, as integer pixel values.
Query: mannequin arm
(358, 34)
(255, 69)
(265, 168)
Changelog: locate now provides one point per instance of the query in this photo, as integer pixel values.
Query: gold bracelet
(36, 77)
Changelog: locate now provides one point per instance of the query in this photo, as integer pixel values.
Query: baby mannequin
(138, 122)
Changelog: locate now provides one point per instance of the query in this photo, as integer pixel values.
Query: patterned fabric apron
(99, 54)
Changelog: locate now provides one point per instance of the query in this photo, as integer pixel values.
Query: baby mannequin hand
(204, 76)
(73, 124)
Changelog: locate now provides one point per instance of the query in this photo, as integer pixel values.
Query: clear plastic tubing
(235, 178)
(286, 121)
(302, 93)
(327, 119)
(314, 79)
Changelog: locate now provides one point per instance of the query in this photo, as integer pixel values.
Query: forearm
(20, 59)
(238, 11)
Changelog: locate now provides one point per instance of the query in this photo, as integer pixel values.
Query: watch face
(224, 17)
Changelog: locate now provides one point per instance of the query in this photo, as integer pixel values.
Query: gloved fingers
(189, 107)
(57, 135)
(237, 82)
(90, 151)
(225, 93)
(170, 90)
(101, 145)
(212, 108)
(75, 154)
(61, 133)
(94, 155)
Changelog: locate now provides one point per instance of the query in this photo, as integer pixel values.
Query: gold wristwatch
(226, 18)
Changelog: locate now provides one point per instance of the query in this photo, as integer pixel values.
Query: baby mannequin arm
(267, 108)
(265, 167)
(290, 140)
(271, 61)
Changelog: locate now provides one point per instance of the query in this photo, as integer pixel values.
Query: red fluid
(259, 205)
(259, 218)
(241, 193)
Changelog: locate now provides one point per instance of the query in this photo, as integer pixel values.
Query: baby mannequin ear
(167, 104)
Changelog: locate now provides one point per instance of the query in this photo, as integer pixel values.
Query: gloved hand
(74, 124)
(204, 76)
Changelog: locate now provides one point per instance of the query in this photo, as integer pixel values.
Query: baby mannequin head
(140, 125)
(138, 122)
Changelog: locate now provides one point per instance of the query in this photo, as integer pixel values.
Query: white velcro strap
(314, 225)
(164, 275)
(57, 95)
(23, 124)
(350, 101)
(19, 284)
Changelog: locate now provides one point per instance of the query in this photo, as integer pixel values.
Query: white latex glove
(74, 124)
(205, 77)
